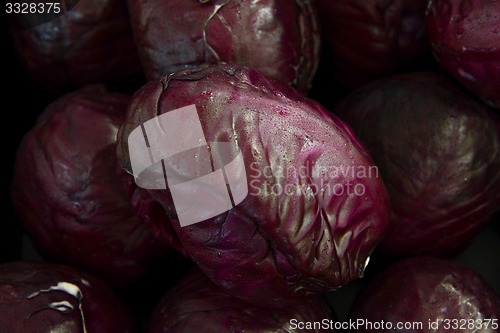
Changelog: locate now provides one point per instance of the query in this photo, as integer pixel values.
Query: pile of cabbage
(235, 166)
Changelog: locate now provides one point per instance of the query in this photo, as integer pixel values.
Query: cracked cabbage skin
(278, 37)
(438, 150)
(67, 193)
(198, 305)
(465, 38)
(429, 290)
(313, 235)
(371, 39)
(48, 298)
(90, 43)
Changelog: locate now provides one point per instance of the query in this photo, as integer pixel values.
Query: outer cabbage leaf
(91, 43)
(441, 295)
(370, 39)
(278, 37)
(316, 207)
(438, 150)
(67, 193)
(465, 39)
(198, 305)
(46, 298)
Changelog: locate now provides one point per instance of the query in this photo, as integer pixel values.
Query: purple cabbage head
(440, 295)
(438, 150)
(278, 37)
(315, 207)
(46, 298)
(465, 38)
(67, 193)
(90, 42)
(198, 305)
(370, 39)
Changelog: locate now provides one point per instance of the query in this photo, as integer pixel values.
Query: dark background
(22, 101)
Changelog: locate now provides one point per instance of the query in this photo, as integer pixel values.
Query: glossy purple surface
(465, 38)
(370, 39)
(438, 150)
(275, 245)
(195, 304)
(67, 193)
(91, 43)
(440, 294)
(49, 298)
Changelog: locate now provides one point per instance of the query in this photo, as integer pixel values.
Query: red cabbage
(316, 207)
(370, 39)
(278, 37)
(465, 38)
(195, 304)
(67, 193)
(440, 295)
(46, 298)
(90, 43)
(438, 150)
